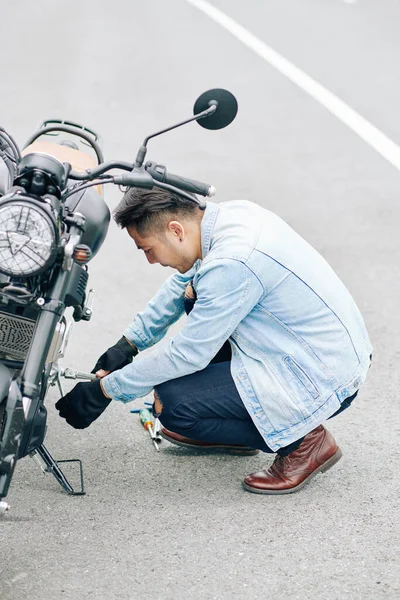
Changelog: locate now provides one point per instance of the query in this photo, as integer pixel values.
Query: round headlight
(27, 238)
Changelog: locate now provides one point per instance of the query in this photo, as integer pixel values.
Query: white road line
(363, 128)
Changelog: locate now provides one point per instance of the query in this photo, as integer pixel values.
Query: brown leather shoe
(180, 440)
(317, 453)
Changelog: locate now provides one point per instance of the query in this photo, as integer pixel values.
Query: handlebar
(159, 173)
(100, 170)
(152, 175)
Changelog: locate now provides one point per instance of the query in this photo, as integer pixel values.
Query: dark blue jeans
(206, 406)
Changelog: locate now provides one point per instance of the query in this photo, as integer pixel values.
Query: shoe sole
(238, 451)
(325, 467)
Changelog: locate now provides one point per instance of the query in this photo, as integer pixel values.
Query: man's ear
(177, 229)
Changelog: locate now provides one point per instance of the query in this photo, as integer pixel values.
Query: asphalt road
(175, 524)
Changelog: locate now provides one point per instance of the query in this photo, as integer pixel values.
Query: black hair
(150, 210)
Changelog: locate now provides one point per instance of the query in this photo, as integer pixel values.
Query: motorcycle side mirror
(225, 112)
(214, 109)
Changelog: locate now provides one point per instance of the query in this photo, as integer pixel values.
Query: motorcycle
(53, 221)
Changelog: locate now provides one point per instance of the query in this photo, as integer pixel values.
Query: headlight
(27, 238)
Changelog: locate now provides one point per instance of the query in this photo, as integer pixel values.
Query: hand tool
(137, 410)
(57, 372)
(146, 420)
(72, 374)
(157, 430)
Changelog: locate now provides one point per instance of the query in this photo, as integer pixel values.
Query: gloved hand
(83, 404)
(116, 357)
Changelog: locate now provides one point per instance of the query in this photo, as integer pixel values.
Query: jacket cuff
(111, 388)
(136, 337)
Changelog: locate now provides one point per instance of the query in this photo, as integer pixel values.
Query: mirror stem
(141, 155)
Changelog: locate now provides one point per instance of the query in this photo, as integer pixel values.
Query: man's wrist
(130, 343)
(127, 347)
(103, 390)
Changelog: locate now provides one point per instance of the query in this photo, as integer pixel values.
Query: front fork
(25, 415)
(12, 434)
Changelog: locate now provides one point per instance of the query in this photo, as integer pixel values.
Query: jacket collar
(207, 226)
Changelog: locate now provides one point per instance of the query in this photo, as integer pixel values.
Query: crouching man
(273, 344)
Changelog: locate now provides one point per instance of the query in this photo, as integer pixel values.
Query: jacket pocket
(302, 376)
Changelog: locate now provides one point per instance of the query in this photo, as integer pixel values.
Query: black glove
(83, 404)
(116, 357)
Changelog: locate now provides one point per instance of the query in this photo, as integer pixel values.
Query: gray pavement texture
(177, 524)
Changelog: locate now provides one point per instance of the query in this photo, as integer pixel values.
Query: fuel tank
(4, 179)
(92, 206)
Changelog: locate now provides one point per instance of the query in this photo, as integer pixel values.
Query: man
(273, 344)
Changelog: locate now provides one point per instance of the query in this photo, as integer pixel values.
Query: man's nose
(150, 259)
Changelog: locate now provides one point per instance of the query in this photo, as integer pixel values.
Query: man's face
(173, 248)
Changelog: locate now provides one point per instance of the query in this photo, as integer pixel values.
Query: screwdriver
(146, 420)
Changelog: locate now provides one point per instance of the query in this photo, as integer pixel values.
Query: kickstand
(48, 465)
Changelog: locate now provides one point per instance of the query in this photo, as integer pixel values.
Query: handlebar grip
(159, 173)
(138, 179)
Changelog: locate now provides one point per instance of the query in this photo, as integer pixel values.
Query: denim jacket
(299, 343)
